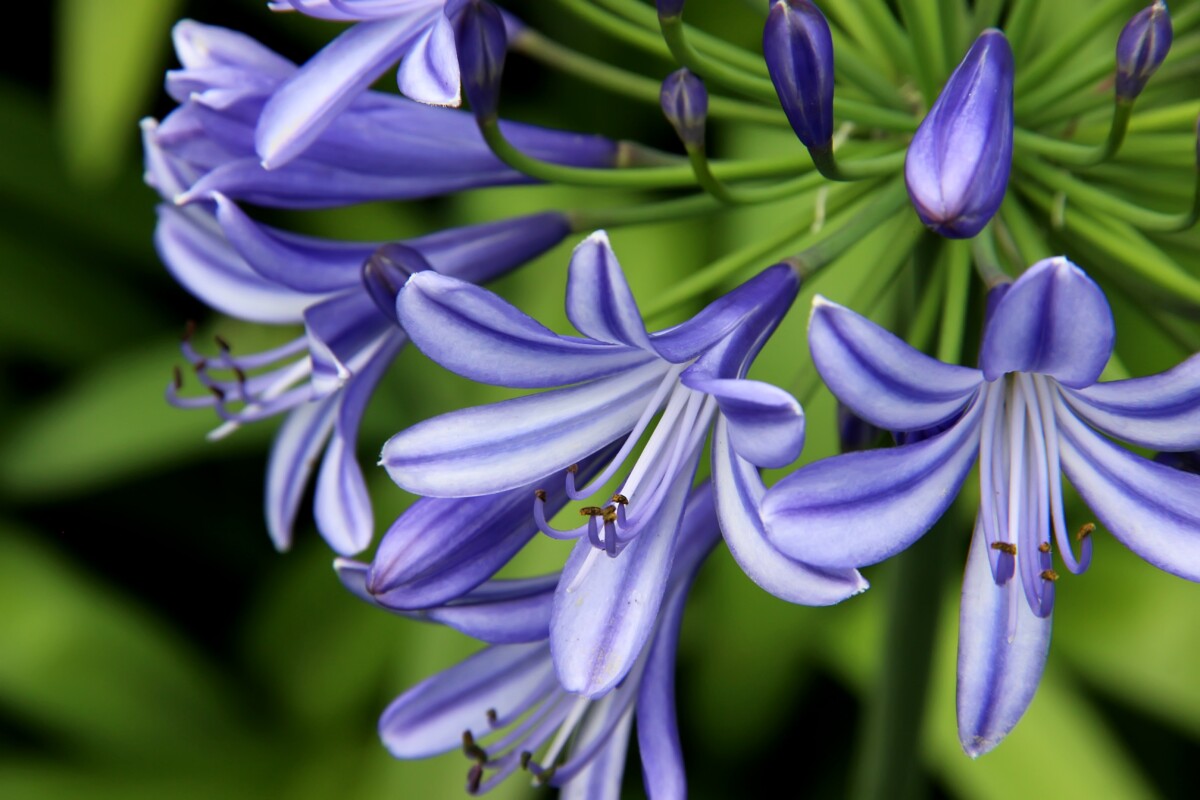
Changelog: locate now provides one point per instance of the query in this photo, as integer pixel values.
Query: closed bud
(958, 163)
(1141, 48)
(799, 53)
(669, 8)
(482, 42)
(685, 104)
(386, 271)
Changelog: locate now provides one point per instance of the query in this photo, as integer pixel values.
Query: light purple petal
(474, 333)
(860, 508)
(601, 625)
(1002, 649)
(293, 458)
(307, 102)
(502, 446)
(766, 424)
(342, 331)
(657, 727)
(430, 717)
(739, 491)
(601, 779)
(599, 303)
(1054, 320)
(1152, 509)
(198, 257)
(1161, 412)
(880, 377)
(429, 71)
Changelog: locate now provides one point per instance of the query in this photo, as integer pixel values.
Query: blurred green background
(153, 644)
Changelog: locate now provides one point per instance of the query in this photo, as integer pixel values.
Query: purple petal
(429, 71)
(502, 446)
(307, 102)
(599, 303)
(1054, 320)
(293, 458)
(430, 717)
(739, 491)
(1161, 412)
(1002, 649)
(342, 331)
(860, 508)
(477, 253)
(880, 377)
(766, 424)
(601, 625)
(474, 333)
(657, 727)
(1150, 508)
(601, 779)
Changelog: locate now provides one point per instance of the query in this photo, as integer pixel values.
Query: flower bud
(685, 103)
(958, 163)
(1141, 48)
(481, 41)
(385, 272)
(799, 53)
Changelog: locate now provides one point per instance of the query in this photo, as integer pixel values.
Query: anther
(610, 513)
(540, 494)
(591, 511)
(492, 716)
(200, 365)
(177, 377)
(620, 499)
(573, 469)
(1044, 547)
(1005, 547)
(472, 750)
(1085, 531)
(1049, 575)
(474, 778)
(221, 342)
(189, 329)
(526, 757)
(217, 392)
(239, 374)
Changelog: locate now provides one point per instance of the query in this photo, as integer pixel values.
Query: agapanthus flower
(506, 709)
(615, 381)
(1032, 411)
(379, 147)
(958, 163)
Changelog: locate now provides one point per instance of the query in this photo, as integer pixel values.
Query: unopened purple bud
(385, 272)
(799, 53)
(669, 8)
(958, 163)
(482, 42)
(1141, 48)
(685, 103)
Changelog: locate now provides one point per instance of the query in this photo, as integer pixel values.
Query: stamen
(1049, 575)
(1005, 547)
(539, 519)
(574, 468)
(1044, 547)
(222, 343)
(540, 494)
(1085, 531)
(472, 750)
(492, 717)
(474, 777)
(591, 511)
(177, 378)
(620, 499)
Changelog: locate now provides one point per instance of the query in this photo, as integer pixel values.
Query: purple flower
(615, 381)
(506, 709)
(1033, 411)
(684, 102)
(1141, 49)
(958, 162)
(798, 48)
(379, 147)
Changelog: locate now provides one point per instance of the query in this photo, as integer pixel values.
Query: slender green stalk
(986, 15)
(618, 28)
(1024, 237)
(958, 294)
(589, 219)
(986, 259)
(852, 68)
(1017, 25)
(955, 32)
(886, 203)
(755, 86)
(828, 165)
(639, 87)
(1066, 43)
(925, 26)
(745, 195)
(896, 42)
(1076, 155)
(929, 306)
(874, 116)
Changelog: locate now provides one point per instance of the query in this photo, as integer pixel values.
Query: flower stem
(1066, 43)
(986, 259)
(887, 201)
(617, 27)
(925, 26)
(1076, 155)
(957, 259)
(828, 165)
(751, 85)
(630, 214)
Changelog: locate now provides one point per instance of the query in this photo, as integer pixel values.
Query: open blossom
(614, 383)
(1032, 412)
(507, 710)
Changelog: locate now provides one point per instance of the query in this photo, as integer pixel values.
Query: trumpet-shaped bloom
(1032, 412)
(957, 165)
(506, 709)
(614, 383)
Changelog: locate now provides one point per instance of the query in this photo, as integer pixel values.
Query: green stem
(955, 31)
(639, 87)
(618, 28)
(1024, 238)
(852, 68)
(589, 219)
(867, 114)
(957, 256)
(932, 294)
(741, 195)
(1017, 25)
(895, 40)
(1076, 155)
(986, 15)
(925, 26)
(887, 201)
(986, 259)
(828, 165)
(1065, 43)
(748, 84)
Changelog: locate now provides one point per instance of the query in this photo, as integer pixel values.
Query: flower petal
(1053, 320)
(766, 424)
(860, 508)
(1161, 411)
(739, 491)
(492, 448)
(293, 457)
(657, 726)
(599, 303)
(880, 377)
(429, 71)
(430, 717)
(474, 333)
(1002, 649)
(601, 779)
(1150, 508)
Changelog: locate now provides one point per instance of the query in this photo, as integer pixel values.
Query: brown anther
(221, 342)
(473, 750)
(200, 365)
(573, 469)
(474, 778)
(1005, 547)
(1085, 531)
(591, 511)
(217, 392)
(189, 330)
(177, 378)
(610, 514)
(540, 494)
(526, 757)
(1044, 547)
(492, 716)
(620, 499)
(239, 374)
(1049, 575)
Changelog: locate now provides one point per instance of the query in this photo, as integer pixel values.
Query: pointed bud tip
(1141, 49)
(798, 48)
(385, 272)
(685, 104)
(482, 42)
